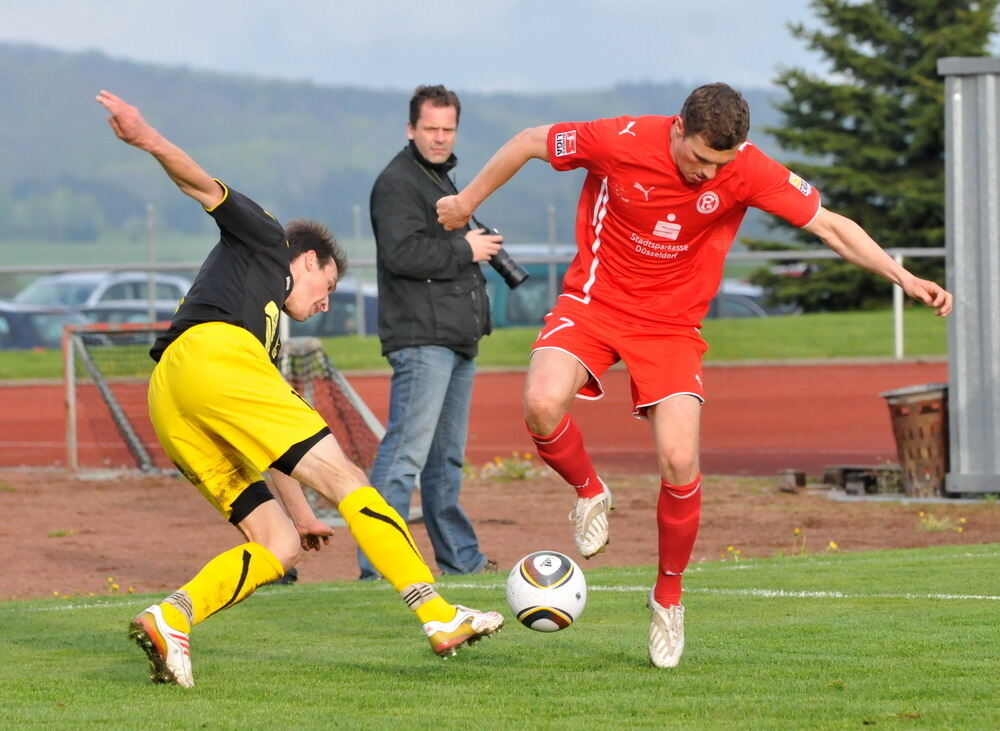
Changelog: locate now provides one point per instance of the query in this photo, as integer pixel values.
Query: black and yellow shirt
(245, 279)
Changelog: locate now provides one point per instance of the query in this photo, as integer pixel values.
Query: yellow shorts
(223, 412)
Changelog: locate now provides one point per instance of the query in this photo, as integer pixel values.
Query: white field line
(124, 601)
(766, 593)
(811, 560)
(758, 593)
(784, 593)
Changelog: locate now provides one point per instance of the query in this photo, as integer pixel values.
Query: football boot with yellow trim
(467, 627)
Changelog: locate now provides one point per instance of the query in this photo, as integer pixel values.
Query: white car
(86, 289)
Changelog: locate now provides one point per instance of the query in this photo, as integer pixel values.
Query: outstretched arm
(130, 127)
(455, 211)
(849, 240)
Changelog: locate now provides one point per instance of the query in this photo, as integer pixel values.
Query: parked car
(129, 311)
(27, 327)
(85, 289)
(737, 299)
(342, 317)
(526, 305)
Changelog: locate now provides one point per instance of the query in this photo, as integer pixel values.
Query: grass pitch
(892, 639)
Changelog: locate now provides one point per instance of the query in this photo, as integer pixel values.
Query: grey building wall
(972, 210)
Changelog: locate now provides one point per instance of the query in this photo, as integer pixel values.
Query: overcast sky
(471, 45)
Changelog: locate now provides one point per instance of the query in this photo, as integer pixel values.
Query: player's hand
(452, 213)
(314, 534)
(127, 122)
(931, 294)
(484, 245)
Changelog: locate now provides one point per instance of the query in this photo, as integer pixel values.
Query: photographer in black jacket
(433, 310)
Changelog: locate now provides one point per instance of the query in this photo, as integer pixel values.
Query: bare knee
(554, 377)
(542, 411)
(270, 527)
(678, 465)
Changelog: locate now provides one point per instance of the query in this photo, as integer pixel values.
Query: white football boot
(590, 516)
(168, 649)
(666, 634)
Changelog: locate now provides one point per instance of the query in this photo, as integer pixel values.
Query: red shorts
(662, 361)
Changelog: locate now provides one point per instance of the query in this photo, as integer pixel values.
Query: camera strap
(436, 178)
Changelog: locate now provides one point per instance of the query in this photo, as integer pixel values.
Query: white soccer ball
(546, 591)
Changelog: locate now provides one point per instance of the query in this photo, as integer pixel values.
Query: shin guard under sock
(382, 534)
(678, 512)
(227, 579)
(563, 451)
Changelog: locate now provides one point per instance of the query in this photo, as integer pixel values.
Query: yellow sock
(435, 609)
(175, 617)
(384, 538)
(227, 579)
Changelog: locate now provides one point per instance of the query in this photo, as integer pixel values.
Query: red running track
(758, 419)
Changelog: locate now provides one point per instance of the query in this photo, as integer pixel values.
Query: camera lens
(504, 265)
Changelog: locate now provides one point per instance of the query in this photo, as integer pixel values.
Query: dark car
(526, 305)
(129, 311)
(736, 299)
(29, 327)
(342, 317)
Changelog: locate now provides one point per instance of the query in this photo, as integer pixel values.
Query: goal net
(313, 375)
(106, 372)
(107, 369)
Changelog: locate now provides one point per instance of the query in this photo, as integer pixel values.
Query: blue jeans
(428, 425)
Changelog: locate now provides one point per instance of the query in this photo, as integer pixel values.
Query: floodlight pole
(151, 257)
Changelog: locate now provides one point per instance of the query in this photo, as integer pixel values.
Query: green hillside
(299, 148)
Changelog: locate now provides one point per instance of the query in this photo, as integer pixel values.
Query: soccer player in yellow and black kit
(224, 414)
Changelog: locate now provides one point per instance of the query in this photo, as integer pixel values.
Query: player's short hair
(303, 235)
(719, 114)
(438, 96)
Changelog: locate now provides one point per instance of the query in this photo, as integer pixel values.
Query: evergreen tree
(873, 133)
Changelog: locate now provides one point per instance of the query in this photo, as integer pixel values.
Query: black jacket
(430, 291)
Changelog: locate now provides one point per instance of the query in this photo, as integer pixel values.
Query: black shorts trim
(249, 500)
(290, 459)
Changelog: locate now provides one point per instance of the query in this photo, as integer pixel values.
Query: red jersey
(651, 245)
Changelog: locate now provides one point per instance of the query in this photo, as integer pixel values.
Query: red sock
(677, 514)
(563, 451)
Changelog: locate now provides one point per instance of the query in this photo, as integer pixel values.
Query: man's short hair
(719, 114)
(303, 235)
(438, 96)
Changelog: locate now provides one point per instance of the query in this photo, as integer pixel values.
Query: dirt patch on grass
(152, 534)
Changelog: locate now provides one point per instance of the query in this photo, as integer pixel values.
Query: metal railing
(366, 265)
(899, 254)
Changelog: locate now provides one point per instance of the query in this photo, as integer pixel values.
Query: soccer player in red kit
(660, 207)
